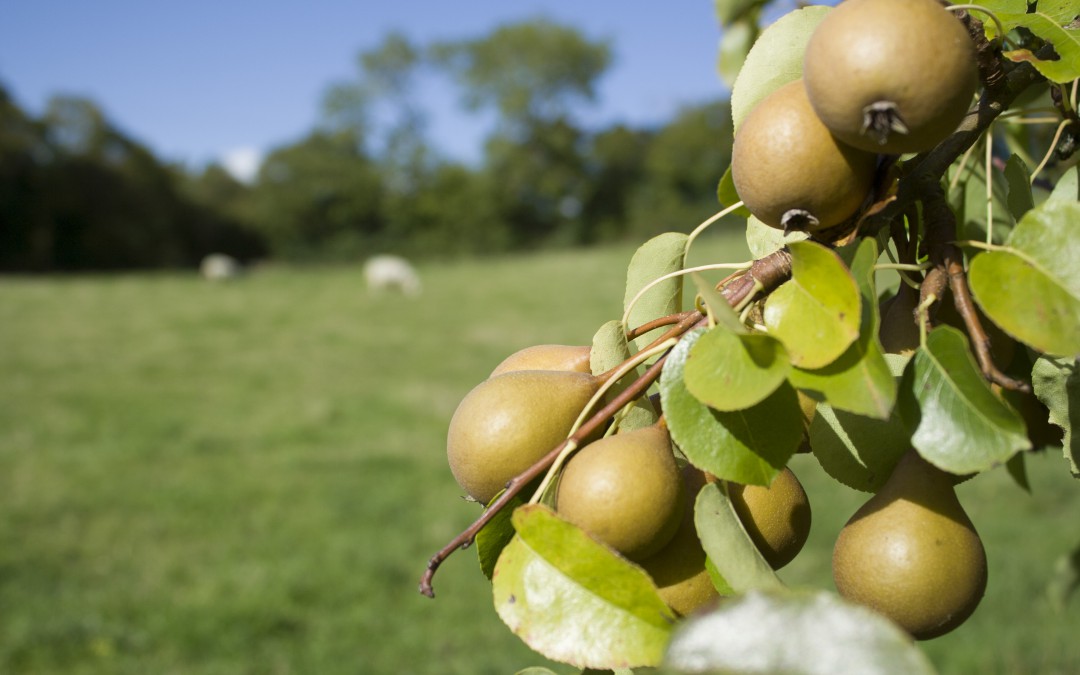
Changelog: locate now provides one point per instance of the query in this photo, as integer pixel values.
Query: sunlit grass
(249, 477)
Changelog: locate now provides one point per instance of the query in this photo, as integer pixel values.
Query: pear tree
(906, 173)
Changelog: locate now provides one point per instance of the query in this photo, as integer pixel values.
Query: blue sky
(200, 80)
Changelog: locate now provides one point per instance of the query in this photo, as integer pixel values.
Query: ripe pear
(776, 517)
(547, 357)
(890, 76)
(911, 552)
(790, 172)
(899, 330)
(625, 490)
(508, 422)
(678, 569)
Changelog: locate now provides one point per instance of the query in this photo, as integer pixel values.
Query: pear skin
(547, 357)
(625, 490)
(508, 422)
(776, 517)
(678, 569)
(899, 329)
(911, 552)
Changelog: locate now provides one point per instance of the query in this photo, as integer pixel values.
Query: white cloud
(243, 163)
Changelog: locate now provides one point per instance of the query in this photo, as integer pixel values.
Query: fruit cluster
(628, 490)
(805, 157)
(617, 501)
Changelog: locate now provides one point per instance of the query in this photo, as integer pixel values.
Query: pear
(625, 490)
(899, 330)
(547, 357)
(678, 569)
(508, 422)
(776, 517)
(911, 552)
(790, 172)
(890, 76)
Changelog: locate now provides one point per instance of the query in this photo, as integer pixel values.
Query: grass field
(249, 477)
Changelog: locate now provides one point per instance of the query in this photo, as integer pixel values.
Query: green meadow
(249, 477)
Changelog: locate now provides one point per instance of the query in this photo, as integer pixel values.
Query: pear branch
(949, 266)
(636, 389)
(764, 275)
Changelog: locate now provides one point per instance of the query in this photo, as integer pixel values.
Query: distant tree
(320, 195)
(682, 167)
(76, 193)
(25, 243)
(530, 72)
(616, 170)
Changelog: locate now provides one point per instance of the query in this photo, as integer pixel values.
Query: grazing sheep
(391, 272)
(220, 267)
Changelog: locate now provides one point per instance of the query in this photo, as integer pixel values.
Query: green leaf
(727, 196)
(1057, 384)
(748, 446)
(855, 450)
(763, 240)
(663, 254)
(536, 670)
(1018, 178)
(1017, 470)
(774, 60)
(729, 371)
(575, 601)
(493, 538)
(728, 546)
(1053, 21)
(728, 11)
(718, 581)
(1066, 42)
(969, 202)
(1031, 289)
(958, 424)
(816, 313)
(735, 43)
(794, 633)
(718, 306)
(1067, 188)
(610, 349)
(860, 381)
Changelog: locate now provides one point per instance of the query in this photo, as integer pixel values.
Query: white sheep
(391, 272)
(220, 267)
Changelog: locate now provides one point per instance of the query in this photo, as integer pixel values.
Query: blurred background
(249, 476)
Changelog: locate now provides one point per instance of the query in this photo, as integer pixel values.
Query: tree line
(77, 193)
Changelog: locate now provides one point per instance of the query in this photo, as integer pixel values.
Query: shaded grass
(249, 477)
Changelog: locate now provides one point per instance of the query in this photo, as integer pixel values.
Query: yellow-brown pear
(911, 552)
(547, 357)
(890, 76)
(790, 172)
(776, 517)
(508, 422)
(899, 332)
(625, 490)
(678, 569)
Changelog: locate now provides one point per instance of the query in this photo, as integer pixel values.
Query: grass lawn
(249, 477)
